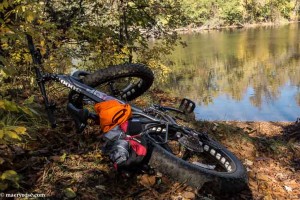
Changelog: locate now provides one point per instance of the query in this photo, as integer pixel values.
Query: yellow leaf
(10, 175)
(42, 43)
(63, 157)
(20, 129)
(27, 58)
(4, 45)
(12, 135)
(23, 8)
(17, 129)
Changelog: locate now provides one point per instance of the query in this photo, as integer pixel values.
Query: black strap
(118, 116)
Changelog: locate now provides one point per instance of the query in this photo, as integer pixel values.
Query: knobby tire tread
(125, 70)
(195, 176)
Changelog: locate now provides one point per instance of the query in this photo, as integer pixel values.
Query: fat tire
(197, 177)
(119, 71)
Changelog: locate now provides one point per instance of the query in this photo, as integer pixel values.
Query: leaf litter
(63, 164)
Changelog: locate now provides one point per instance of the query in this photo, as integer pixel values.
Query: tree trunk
(296, 10)
(124, 37)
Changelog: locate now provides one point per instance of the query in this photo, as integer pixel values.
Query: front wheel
(127, 81)
(201, 163)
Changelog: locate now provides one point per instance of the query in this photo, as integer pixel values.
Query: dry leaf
(248, 162)
(262, 177)
(188, 195)
(101, 187)
(147, 180)
(288, 189)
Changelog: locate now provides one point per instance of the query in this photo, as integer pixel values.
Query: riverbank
(63, 164)
(269, 150)
(77, 168)
(217, 27)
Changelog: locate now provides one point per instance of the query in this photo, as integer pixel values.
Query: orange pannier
(112, 113)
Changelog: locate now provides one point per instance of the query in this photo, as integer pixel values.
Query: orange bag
(112, 113)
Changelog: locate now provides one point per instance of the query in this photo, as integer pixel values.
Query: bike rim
(121, 87)
(212, 158)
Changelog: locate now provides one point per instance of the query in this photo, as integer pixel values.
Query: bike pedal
(187, 105)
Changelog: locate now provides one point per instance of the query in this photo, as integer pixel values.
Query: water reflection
(249, 74)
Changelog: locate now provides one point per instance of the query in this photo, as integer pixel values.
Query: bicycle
(180, 152)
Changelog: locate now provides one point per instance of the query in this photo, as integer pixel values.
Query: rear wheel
(200, 162)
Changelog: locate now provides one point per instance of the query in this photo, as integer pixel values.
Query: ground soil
(63, 164)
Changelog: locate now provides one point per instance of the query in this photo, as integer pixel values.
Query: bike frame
(157, 127)
(75, 84)
(69, 81)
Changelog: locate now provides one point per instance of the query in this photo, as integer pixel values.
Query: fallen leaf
(101, 187)
(147, 180)
(55, 158)
(248, 162)
(158, 174)
(262, 177)
(59, 158)
(69, 193)
(188, 195)
(288, 189)
(268, 197)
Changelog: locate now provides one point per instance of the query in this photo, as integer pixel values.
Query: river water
(247, 74)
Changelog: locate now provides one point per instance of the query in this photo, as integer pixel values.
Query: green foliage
(11, 134)
(232, 12)
(238, 11)
(198, 12)
(8, 111)
(82, 34)
(86, 34)
(9, 106)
